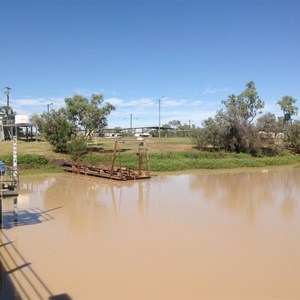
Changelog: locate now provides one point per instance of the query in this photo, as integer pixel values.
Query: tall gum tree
(86, 114)
(290, 127)
(238, 115)
(288, 108)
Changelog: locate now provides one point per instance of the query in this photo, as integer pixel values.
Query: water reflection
(200, 235)
(248, 192)
(96, 201)
(92, 201)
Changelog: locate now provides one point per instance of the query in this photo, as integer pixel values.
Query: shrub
(77, 147)
(29, 160)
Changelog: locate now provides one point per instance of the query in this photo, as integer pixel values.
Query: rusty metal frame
(114, 172)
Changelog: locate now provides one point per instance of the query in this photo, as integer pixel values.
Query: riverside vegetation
(166, 154)
(236, 137)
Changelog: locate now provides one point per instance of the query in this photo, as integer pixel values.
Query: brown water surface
(200, 235)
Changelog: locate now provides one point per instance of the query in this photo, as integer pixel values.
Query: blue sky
(192, 53)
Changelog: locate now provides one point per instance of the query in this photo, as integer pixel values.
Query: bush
(77, 147)
(28, 160)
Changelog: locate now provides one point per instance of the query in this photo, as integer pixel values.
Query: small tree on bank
(77, 147)
(61, 126)
(57, 129)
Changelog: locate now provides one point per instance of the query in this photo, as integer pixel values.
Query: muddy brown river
(198, 235)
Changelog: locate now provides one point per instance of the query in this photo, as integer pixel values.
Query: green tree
(175, 124)
(288, 127)
(237, 118)
(268, 123)
(268, 128)
(38, 121)
(295, 136)
(209, 135)
(287, 106)
(57, 129)
(86, 114)
(186, 130)
(61, 126)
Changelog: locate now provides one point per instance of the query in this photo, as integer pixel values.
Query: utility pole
(8, 111)
(48, 107)
(131, 120)
(6, 91)
(159, 101)
(159, 118)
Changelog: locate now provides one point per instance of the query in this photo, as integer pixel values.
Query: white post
(159, 118)
(15, 159)
(15, 177)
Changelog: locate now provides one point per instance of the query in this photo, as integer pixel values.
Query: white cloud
(87, 93)
(143, 111)
(27, 102)
(31, 106)
(136, 103)
(213, 91)
(139, 102)
(196, 103)
(173, 103)
(115, 101)
(82, 92)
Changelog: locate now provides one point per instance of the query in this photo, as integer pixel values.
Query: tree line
(237, 127)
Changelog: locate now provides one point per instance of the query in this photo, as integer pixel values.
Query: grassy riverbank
(166, 154)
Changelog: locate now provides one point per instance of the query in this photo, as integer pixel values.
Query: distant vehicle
(142, 135)
(113, 135)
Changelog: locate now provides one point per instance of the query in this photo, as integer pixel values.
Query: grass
(175, 161)
(166, 154)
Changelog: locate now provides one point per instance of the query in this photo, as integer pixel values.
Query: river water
(198, 235)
